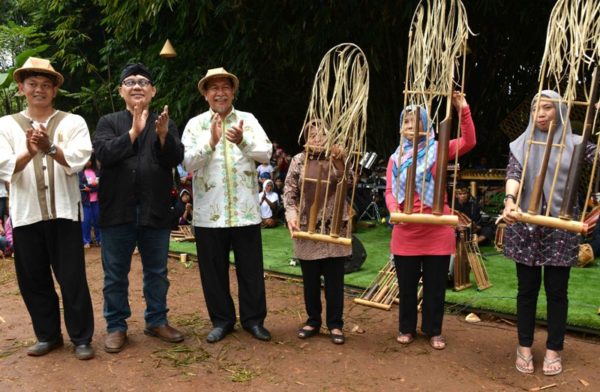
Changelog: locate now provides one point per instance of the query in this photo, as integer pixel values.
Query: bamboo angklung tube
(538, 185)
(411, 174)
(570, 195)
(441, 166)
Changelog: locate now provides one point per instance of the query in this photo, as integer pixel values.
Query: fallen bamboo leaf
(544, 387)
(508, 322)
(585, 383)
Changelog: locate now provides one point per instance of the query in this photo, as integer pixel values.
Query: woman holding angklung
(318, 258)
(423, 249)
(536, 248)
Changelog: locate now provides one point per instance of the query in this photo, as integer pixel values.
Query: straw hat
(43, 66)
(217, 73)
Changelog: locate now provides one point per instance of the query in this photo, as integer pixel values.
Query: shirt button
(43, 167)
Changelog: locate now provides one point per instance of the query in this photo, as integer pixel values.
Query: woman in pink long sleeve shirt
(422, 248)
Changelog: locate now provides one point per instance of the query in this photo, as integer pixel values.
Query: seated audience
(268, 201)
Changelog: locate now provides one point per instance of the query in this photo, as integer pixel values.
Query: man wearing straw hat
(222, 146)
(138, 151)
(41, 151)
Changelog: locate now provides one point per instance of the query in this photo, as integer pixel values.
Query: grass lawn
(584, 285)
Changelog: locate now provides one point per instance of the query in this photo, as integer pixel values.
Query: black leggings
(332, 269)
(434, 270)
(556, 283)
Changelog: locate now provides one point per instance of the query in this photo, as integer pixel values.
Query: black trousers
(332, 270)
(213, 246)
(556, 283)
(54, 246)
(434, 270)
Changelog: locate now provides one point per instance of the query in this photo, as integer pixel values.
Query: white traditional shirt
(224, 180)
(26, 191)
(3, 190)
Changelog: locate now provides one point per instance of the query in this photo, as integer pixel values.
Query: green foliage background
(274, 47)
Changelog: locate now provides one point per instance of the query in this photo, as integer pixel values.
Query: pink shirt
(414, 239)
(90, 174)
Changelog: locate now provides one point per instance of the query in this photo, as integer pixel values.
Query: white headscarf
(519, 149)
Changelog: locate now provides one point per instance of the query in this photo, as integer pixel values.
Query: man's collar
(24, 113)
(231, 113)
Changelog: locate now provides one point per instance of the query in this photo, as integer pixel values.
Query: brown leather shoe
(165, 332)
(115, 341)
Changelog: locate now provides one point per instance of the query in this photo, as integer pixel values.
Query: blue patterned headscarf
(401, 164)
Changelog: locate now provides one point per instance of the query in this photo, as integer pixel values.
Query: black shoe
(84, 351)
(304, 333)
(43, 348)
(337, 338)
(217, 333)
(259, 332)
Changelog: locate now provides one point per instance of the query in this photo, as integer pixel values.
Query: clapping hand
(216, 130)
(162, 124)
(139, 120)
(235, 134)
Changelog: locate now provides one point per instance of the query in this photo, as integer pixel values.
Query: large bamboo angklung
(572, 51)
(335, 140)
(435, 68)
(570, 196)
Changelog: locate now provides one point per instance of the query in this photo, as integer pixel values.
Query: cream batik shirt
(224, 179)
(60, 191)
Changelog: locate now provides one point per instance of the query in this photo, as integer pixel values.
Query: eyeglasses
(140, 82)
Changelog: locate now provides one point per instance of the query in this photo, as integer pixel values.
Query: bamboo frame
(476, 262)
(338, 111)
(383, 291)
(461, 270)
(437, 44)
(572, 49)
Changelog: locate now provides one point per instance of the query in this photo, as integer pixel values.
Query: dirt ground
(478, 357)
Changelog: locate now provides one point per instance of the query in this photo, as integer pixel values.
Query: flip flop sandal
(405, 338)
(437, 342)
(550, 362)
(307, 333)
(528, 360)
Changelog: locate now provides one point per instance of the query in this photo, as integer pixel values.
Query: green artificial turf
(584, 287)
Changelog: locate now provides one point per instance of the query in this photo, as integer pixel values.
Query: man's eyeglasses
(140, 82)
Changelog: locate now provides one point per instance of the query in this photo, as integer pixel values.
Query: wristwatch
(52, 150)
